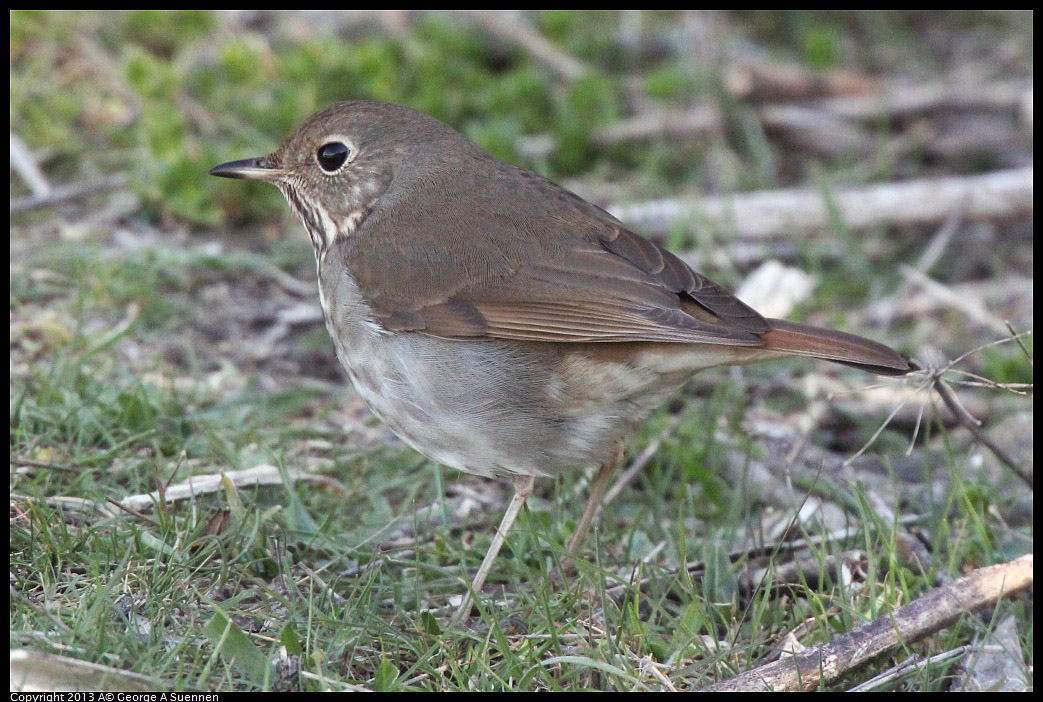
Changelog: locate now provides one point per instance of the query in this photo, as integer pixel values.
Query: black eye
(332, 155)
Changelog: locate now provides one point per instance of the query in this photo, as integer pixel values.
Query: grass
(152, 592)
(138, 359)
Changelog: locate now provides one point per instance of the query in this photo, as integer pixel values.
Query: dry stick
(903, 100)
(964, 303)
(919, 304)
(760, 81)
(24, 164)
(981, 347)
(911, 665)
(65, 193)
(880, 429)
(522, 35)
(134, 513)
(691, 123)
(810, 571)
(641, 461)
(1017, 337)
(939, 608)
(27, 463)
(773, 549)
(816, 130)
(999, 194)
(983, 382)
(972, 426)
(259, 475)
(825, 125)
(931, 254)
(35, 670)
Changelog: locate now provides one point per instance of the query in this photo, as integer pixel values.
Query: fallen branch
(36, 671)
(662, 124)
(640, 462)
(773, 550)
(912, 665)
(947, 297)
(818, 131)
(28, 463)
(973, 427)
(64, 193)
(996, 662)
(761, 81)
(196, 485)
(1000, 194)
(810, 571)
(939, 608)
(905, 100)
(24, 164)
(516, 33)
(1009, 290)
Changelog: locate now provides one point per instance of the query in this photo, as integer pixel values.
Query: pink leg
(594, 501)
(523, 485)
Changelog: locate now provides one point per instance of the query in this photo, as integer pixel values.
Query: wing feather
(619, 287)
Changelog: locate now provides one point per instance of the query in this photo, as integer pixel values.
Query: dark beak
(248, 169)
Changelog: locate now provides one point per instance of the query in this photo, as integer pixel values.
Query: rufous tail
(829, 345)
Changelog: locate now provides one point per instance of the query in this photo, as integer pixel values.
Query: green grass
(157, 593)
(131, 369)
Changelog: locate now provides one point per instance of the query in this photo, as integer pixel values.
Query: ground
(165, 326)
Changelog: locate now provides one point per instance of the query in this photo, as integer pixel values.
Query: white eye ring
(334, 153)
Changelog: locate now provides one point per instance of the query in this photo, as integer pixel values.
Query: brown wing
(611, 288)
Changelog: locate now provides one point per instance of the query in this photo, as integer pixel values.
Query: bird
(498, 323)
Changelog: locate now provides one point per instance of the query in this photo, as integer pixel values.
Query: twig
(35, 670)
(980, 381)
(39, 609)
(24, 164)
(997, 293)
(883, 425)
(987, 345)
(812, 571)
(15, 461)
(972, 426)
(289, 283)
(1000, 194)
(996, 662)
(134, 513)
(773, 549)
(328, 683)
(77, 505)
(641, 461)
(523, 36)
(262, 474)
(928, 257)
(1017, 337)
(678, 124)
(939, 608)
(64, 193)
(905, 100)
(1015, 388)
(817, 130)
(760, 81)
(911, 665)
(969, 306)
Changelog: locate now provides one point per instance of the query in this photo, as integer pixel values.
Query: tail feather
(829, 345)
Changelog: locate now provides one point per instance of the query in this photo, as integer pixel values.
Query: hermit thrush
(498, 323)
